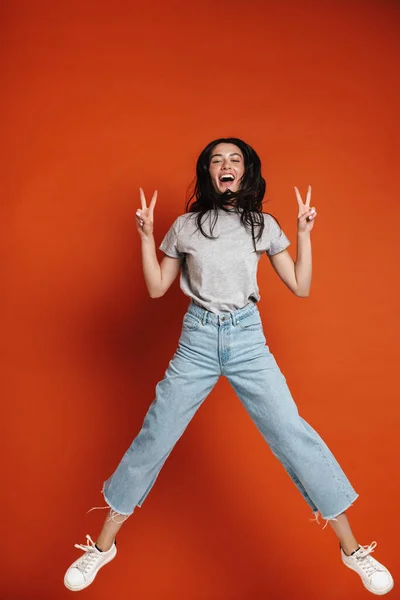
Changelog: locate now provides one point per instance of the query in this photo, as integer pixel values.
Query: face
(226, 167)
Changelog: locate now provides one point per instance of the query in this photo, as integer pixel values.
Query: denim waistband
(207, 316)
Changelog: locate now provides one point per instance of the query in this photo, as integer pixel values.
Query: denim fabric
(230, 344)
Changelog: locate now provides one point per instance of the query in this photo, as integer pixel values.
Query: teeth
(226, 178)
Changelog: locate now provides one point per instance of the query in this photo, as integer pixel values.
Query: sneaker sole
(377, 593)
(88, 582)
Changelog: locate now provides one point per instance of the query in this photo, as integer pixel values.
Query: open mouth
(228, 178)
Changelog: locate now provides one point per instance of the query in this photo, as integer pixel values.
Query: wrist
(304, 234)
(147, 239)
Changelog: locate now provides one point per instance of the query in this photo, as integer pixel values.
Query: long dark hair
(248, 199)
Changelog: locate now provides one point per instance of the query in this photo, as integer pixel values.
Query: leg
(341, 527)
(112, 525)
(178, 396)
(190, 377)
(262, 388)
(256, 378)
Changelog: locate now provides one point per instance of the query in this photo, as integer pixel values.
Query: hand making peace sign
(306, 214)
(145, 216)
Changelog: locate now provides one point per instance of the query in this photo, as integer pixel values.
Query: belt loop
(204, 319)
(234, 320)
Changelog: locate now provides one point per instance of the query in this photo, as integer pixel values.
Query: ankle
(104, 546)
(349, 549)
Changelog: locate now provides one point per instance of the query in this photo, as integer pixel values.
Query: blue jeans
(230, 344)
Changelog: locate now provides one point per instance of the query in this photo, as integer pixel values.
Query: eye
(235, 160)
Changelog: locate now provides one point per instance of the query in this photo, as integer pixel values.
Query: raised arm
(158, 277)
(297, 275)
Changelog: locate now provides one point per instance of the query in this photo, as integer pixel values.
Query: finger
(143, 199)
(307, 213)
(140, 217)
(139, 224)
(308, 197)
(143, 216)
(298, 196)
(153, 202)
(310, 211)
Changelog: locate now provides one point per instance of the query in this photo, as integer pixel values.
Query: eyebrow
(231, 154)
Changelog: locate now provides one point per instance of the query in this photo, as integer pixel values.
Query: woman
(216, 245)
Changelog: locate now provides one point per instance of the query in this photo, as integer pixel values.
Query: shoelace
(365, 561)
(90, 556)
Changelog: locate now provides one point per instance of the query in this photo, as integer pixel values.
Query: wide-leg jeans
(230, 344)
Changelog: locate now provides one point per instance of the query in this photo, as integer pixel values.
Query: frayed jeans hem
(120, 512)
(317, 513)
(113, 511)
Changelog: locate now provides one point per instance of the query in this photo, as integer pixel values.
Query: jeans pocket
(251, 323)
(190, 322)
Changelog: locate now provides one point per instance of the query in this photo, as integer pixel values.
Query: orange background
(100, 98)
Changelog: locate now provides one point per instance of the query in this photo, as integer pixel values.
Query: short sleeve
(170, 243)
(277, 239)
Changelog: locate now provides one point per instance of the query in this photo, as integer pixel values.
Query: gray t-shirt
(221, 274)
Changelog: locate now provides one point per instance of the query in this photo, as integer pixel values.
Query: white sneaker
(83, 571)
(374, 575)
